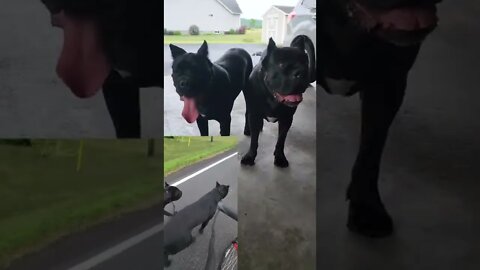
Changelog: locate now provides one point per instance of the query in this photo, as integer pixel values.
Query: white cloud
(256, 8)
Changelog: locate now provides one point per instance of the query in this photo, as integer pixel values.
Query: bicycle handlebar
(227, 211)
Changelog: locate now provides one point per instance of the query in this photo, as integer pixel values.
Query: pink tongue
(408, 18)
(291, 98)
(190, 112)
(83, 65)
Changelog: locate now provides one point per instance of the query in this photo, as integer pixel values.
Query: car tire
(310, 50)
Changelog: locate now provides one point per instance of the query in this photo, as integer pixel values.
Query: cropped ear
(271, 45)
(166, 184)
(270, 48)
(176, 51)
(299, 43)
(217, 184)
(203, 51)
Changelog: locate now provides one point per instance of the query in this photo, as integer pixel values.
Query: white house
(275, 23)
(208, 15)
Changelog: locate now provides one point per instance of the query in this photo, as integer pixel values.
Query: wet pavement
(429, 175)
(277, 206)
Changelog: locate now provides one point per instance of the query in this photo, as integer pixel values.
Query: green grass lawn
(43, 196)
(183, 151)
(253, 36)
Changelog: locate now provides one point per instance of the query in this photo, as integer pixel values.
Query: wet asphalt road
(77, 249)
(33, 101)
(429, 176)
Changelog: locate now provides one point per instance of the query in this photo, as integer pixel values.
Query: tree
(252, 23)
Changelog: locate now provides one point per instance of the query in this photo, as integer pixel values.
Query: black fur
(281, 71)
(213, 86)
(376, 64)
(178, 230)
(171, 194)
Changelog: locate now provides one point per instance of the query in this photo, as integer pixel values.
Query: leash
(211, 264)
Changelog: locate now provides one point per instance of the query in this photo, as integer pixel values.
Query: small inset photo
(80, 69)
(200, 203)
(80, 204)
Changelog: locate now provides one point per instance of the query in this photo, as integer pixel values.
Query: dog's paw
(369, 219)
(200, 231)
(246, 132)
(248, 160)
(281, 161)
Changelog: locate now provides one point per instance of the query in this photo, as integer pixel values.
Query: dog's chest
(271, 119)
(341, 87)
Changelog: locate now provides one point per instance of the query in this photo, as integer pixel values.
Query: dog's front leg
(202, 124)
(123, 103)
(225, 126)
(283, 127)
(256, 124)
(367, 215)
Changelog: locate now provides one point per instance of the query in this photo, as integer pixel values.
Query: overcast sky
(256, 8)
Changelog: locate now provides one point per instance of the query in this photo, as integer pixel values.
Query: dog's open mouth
(289, 100)
(406, 24)
(190, 111)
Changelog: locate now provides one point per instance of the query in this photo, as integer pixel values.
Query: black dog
(369, 46)
(273, 92)
(114, 45)
(208, 89)
(171, 194)
(178, 231)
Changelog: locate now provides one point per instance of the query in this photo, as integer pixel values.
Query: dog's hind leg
(283, 127)
(202, 124)
(367, 214)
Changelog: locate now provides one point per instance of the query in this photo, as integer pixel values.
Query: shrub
(194, 30)
(176, 33)
(230, 32)
(242, 30)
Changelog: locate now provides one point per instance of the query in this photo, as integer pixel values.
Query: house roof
(231, 5)
(285, 9)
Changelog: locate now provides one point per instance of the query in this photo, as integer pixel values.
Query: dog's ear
(203, 51)
(166, 184)
(271, 45)
(217, 184)
(270, 48)
(176, 51)
(299, 43)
